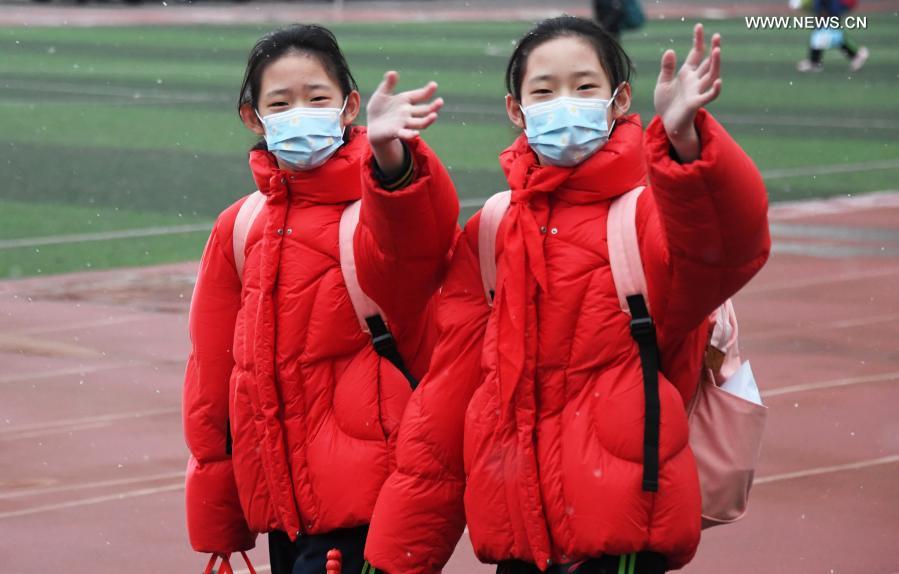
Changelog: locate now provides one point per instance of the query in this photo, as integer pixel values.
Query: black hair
(299, 38)
(614, 61)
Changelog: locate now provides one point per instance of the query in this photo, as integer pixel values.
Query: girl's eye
(541, 91)
(320, 99)
(277, 104)
(588, 87)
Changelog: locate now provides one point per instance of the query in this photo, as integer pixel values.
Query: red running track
(93, 457)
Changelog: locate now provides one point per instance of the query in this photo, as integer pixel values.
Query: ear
(251, 120)
(353, 105)
(513, 109)
(622, 101)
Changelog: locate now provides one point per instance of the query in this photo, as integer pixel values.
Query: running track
(91, 477)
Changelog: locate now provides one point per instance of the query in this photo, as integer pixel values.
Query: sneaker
(809, 66)
(859, 60)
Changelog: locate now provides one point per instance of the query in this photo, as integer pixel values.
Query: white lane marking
(51, 432)
(878, 378)
(827, 469)
(88, 485)
(104, 235)
(830, 250)
(816, 327)
(790, 210)
(67, 425)
(831, 169)
(90, 501)
(786, 210)
(79, 370)
(823, 280)
(92, 323)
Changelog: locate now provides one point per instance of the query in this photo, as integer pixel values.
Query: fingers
(694, 58)
(425, 109)
(710, 70)
(669, 65)
(407, 134)
(421, 123)
(422, 94)
(389, 82)
(711, 95)
(715, 72)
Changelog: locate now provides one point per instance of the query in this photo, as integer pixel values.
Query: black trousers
(639, 563)
(308, 554)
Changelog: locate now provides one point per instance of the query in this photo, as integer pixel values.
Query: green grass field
(110, 129)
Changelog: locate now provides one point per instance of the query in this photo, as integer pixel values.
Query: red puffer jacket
(550, 471)
(312, 408)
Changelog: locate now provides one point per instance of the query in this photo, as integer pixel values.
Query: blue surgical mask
(304, 138)
(566, 131)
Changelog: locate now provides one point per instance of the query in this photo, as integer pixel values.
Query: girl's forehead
(296, 70)
(565, 56)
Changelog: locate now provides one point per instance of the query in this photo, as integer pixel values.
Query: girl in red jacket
(290, 408)
(530, 424)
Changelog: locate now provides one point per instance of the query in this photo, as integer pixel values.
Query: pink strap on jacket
(242, 224)
(488, 227)
(624, 249)
(362, 303)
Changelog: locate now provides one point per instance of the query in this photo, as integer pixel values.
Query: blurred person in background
(826, 38)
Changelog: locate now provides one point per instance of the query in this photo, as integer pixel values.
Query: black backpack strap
(643, 331)
(385, 346)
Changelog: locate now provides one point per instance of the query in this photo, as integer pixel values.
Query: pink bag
(725, 429)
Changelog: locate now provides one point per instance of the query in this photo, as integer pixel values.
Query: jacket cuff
(665, 169)
(215, 521)
(418, 220)
(400, 180)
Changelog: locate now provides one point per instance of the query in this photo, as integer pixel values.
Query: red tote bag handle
(225, 567)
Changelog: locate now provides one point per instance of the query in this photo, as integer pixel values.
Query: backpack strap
(630, 284)
(491, 216)
(624, 249)
(246, 215)
(370, 317)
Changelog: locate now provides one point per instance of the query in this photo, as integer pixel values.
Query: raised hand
(398, 116)
(678, 96)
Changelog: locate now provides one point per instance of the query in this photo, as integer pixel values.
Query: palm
(678, 96)
(402, 115)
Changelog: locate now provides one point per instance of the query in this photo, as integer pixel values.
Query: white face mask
(304, 138)
(566, 131)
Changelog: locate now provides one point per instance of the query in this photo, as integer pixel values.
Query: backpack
(371, 318)
(725, 429)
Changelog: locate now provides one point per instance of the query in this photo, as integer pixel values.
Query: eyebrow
(549, 77)
(277, 92)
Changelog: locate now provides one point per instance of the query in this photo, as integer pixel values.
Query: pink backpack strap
(362, 303)
(624, 249)
(491, 216)
(246, 215)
